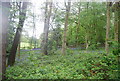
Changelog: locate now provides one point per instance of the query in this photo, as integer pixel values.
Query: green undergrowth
(70, 66)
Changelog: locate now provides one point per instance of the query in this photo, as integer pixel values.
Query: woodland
(77, 40)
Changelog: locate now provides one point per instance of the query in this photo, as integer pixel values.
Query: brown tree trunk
(119, 24)
(19, 50)
(46, 27)
(118, 38)
(64, 41)
(4, 9)
(22, 16)
(107, 28)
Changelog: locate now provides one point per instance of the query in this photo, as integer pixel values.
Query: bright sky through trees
(37, 5)
(39, 21)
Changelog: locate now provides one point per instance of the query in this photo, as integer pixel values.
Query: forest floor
(74, 65)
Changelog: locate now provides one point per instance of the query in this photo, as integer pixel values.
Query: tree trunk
(19, 50)
(22, 16)
(107, 28)
(116, 23)
(64, 41)
(118, 38)
(4, 13)
(77, 28)
(46, 27)
(86, 39)
(87, 31)
(119, 24)
(34, 31)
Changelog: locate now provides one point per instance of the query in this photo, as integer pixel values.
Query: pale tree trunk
(78, 26)
(46, 27)
(87, 36)
(0, 41)
(107, 29)
(34, 30)
(4, 13)
(86, 39)
(64, 41)
(116, 22)
(43, 40)
(22, 13)
(118, 37)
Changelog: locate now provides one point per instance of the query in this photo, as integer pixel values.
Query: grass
(75, 65)
(24, 44)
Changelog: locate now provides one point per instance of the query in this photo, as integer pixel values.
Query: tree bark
(33, 42)
(78, 26)
(4, 9)
(116, 22)
(46, 27)
(118, 38)
(22, 16)
(64, 41)
(107, 28)
(119, 24)
(87, 32)
(19, 50)
(86, 39)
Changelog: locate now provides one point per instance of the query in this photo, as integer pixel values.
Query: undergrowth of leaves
(69, 66)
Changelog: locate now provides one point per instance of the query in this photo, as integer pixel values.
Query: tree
(87, 32)
(22, 15)
(116, 22)
(18, 50)
(34, 29)
(4, 8)
(119, 23)
(64, 41)
(119, 36)
(107, 28)
(78, 26)
(12, 25)
(46, 26)
(54, 39)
